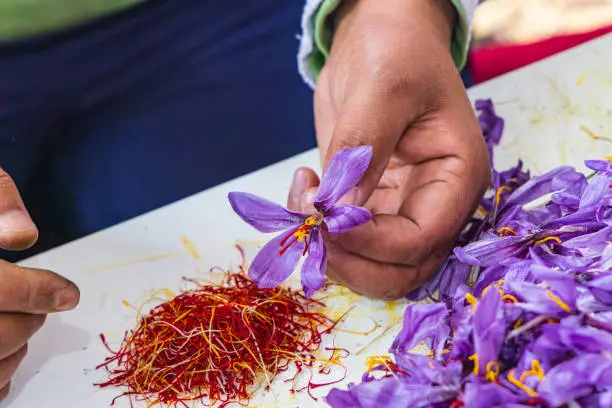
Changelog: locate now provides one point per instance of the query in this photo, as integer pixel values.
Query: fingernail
(308, 200)
(351, 197)
(15, 220)
(65, 300)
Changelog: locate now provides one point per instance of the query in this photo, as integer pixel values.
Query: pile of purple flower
(522, 314)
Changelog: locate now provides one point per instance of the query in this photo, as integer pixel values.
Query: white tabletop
(549, 109)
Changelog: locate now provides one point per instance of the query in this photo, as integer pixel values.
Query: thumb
(17, 230)
(377, 122)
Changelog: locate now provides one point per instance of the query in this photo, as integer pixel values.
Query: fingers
(8, 366)
(17, 230)
(304, 179)
(35, 291)
(15, 330)
(380, 280)
(428, 220)
(4, 391)
(374, 122)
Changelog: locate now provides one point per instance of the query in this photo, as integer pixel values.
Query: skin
(391, 83)
(26, 295)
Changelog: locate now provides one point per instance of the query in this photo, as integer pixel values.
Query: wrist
(432, 19)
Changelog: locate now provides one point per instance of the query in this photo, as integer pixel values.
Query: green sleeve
(323, 36)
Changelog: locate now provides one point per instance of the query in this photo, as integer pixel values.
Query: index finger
(34, 291)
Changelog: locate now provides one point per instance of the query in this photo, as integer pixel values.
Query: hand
(26, 295)
(390, 82)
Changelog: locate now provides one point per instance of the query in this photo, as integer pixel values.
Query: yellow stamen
(474, 358)
(498, 194)
(558, 301)
(430, 354)
(510, 298)
(536, 370)
(520, 385)
(312, 220)
(471, 300)
(517, 324)
(375, 361)
(431, 365)
(446, 351)
(500, 282)
(609, 158)
(482, 210)
(492, 371)
(556, 239)
(506, 229)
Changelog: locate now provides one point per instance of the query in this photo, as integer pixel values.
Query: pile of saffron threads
(216, 344)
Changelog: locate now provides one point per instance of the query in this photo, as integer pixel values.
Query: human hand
(26, 295)
(390, 82)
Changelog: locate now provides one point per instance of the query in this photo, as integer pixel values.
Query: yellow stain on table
(593, 135)
(133, 262)
(190, 247)
(580, 80)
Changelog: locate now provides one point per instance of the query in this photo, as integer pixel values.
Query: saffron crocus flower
(302, 232)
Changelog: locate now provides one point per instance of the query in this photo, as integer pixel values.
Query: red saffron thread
(217, 344)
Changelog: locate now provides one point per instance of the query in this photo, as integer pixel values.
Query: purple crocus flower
(302, 232)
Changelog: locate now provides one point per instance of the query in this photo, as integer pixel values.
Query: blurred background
(509, 34)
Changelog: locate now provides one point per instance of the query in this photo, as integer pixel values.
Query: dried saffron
(217, 344)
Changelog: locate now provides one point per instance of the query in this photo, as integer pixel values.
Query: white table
(547, 107)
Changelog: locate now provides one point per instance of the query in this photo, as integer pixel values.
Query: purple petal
(599, 400)
(492, 251)
(390, 393)
(341, 218)
(601, 288)
(575, 378)
(486, 395)
(489, 328)
(264, 215)
(538, 186)
(343, 173)
(315, 265)
(455, 275)
(423, 322)
(553, 299)
(598, 188)
(599, 165)
(269, 269)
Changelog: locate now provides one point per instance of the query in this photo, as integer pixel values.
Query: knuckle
(354, 135)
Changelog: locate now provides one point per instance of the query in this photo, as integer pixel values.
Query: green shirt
(28, 18)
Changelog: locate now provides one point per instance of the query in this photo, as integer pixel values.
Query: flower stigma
(492, 371)
(301, 234)
(564, 306)
(520, 385)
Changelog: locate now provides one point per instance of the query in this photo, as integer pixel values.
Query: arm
(317, 35)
